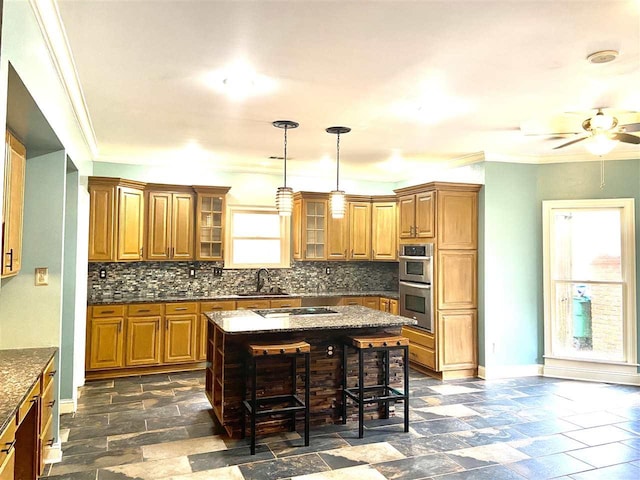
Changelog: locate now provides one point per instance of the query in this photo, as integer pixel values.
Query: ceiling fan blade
(571, 142)
(631, 127)
(626, 138)
(551, 134)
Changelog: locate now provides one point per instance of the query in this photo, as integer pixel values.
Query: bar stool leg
(243, 420)
(344, 383)
(253, 406)
(360, 393)
(294, 373)
(307, 387)
(387, 367)
(406, 388)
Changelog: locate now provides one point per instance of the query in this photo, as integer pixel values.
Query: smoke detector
(603, 56)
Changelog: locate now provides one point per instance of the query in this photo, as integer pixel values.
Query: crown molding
(48, 17)
(560, 158)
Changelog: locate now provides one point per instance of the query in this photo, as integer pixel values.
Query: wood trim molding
(438, 186)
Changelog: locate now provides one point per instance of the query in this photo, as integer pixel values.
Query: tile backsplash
(170, 279)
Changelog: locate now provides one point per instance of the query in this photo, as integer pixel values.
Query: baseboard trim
(67, 405)
(53, 454)
(590, 375)
(510, 371)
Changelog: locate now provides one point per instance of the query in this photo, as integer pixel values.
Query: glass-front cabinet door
(210, 224)
(315, 229)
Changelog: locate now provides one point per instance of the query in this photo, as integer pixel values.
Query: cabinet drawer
(217, 305)
(46, 406)
(423, 356)
(421, 338)
(7, 442)
(183, 307)
(252, 304)
(108, 311)
(28, 402)
(7, 465)
(47, 439)
(351, 301)
(145, 309)
(47, 375)
(286, 302)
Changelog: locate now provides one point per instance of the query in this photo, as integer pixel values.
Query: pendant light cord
(338, 163)
(285, 156)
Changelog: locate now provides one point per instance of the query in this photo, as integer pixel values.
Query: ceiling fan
(604, 132)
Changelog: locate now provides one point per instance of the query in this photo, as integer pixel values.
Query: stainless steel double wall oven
(415, 277)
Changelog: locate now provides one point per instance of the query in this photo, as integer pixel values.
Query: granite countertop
(353, 316)
(20, 369)
(123, 299)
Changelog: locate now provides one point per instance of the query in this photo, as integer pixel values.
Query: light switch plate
(42, 276)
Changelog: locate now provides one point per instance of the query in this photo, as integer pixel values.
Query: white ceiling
(418, 82)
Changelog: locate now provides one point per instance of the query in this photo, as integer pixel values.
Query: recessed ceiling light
(603, 56)
(239, 81)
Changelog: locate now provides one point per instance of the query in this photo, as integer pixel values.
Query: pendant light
(337, 200)
(284, 196)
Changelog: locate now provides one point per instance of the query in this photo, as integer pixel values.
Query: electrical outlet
(192, 272)
(103, 273)
(330, 350)
(217, 271)
(327, 270)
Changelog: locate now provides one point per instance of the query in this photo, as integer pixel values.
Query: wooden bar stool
(289, 403)
(381, 393)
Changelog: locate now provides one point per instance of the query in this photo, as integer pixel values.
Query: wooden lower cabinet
(389, 305)
(457, 344)
(8, 452)
(143, 341)
(371, 302)
(180, 338)
(253, 304)
(352, 301)
(47, 403)
(105, 346)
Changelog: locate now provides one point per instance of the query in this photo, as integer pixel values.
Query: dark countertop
(354, 316)
(20, 369)
(123, 299)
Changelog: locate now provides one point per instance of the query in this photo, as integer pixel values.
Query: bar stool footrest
(296, 405)
(388, 394)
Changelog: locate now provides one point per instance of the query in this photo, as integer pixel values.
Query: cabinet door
(393, 306)
(296, 230)
(457, 279)
(457, 220)
(13, 206)
(143, 341)
(130, 223)
(383, 227)
(360, 230)
(101, 223)
(106, 343)
(180, 338)
(338, 238)
(407, 215)
(315, 229)
(384, 304)
(182, 227)
(425, 218)
(210, 226)
(158, 226)
(456, 338)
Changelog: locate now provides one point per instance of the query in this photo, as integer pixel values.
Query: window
(589, 273)
(258, 237)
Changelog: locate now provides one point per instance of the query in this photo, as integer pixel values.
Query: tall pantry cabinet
(445, 214)
(13, 205)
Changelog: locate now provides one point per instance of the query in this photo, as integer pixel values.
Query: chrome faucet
(259, 280)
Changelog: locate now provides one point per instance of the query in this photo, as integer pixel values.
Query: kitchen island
(230, 331)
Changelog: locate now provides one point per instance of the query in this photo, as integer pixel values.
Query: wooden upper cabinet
(130, 223)
(210, 215)
(337, 237)
(170, 225)
(359, 230)
(116, 219)
(101, 223)
(309, 223)
(384, 241)
(417, 215)
(457, 220)
(13, 205)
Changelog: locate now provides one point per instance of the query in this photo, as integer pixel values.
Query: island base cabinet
(226, 388)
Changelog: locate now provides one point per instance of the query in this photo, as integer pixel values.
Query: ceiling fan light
(337, 204)
(284, 201)
(600, 144)
(602, 121)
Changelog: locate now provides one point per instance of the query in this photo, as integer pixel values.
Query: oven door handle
(423, 286)
(414, 258)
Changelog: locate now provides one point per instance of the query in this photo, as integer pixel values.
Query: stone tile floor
(160, 427)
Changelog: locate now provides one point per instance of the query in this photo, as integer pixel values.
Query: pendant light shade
(284, 195)
(600, 144)
(337, 200)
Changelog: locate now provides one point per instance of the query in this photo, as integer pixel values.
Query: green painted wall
(510, 274)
